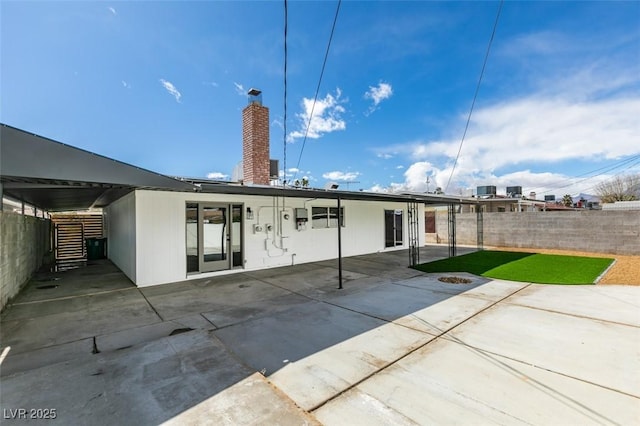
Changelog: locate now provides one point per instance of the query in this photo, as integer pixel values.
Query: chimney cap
(254, 92)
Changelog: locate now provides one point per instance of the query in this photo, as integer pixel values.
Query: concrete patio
(285, 346)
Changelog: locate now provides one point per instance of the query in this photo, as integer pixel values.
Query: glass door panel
(398, 227)
(214, 241)
(236, 235)
(192, 237)
(393, 235)
(389, 234)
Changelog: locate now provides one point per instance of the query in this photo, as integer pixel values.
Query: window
(326, 217)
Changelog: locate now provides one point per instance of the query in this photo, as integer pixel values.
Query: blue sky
(161, 85)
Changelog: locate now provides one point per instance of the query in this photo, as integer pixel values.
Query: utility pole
(427, 184)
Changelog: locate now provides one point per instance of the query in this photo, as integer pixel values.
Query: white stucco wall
(121, 234)
(160, 240)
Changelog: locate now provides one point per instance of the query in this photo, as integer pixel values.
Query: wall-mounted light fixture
(249, 213)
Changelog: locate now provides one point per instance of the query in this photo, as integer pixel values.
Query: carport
(53, 176)
(43, 176)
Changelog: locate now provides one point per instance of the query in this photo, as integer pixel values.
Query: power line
(623, 171)
(475, 95)
(602, 171)
(284, 177)
(315, 98)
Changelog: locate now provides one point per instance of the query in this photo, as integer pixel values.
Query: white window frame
(328, 220)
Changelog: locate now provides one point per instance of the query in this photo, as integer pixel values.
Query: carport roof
(57, 177)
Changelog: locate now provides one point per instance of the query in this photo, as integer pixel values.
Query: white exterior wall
(160, 241)
(120, 219)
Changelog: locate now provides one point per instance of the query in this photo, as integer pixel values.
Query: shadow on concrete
(109, 345)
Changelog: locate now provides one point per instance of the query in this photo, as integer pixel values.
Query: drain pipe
(339, 246)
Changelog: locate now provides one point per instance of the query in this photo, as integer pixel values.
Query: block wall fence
(614, 232)
(24, 244)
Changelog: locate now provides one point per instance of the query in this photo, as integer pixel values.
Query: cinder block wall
(24, 243)
(599, 231)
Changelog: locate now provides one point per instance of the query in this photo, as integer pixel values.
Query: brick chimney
(255, 140)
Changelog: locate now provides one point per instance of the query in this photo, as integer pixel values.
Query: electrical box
(301, 218)
(301, 215)
(286, 243)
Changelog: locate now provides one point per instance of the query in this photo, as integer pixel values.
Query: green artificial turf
(527, 267)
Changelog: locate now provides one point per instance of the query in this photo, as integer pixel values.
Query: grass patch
(527, 267)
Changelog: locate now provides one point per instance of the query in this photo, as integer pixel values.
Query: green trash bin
(96, 248)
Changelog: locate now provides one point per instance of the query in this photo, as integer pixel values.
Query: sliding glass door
(393, 235)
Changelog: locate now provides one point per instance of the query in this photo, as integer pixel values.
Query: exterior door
(393, 235)
(214, 237)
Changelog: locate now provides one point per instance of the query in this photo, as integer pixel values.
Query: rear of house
(157, 237)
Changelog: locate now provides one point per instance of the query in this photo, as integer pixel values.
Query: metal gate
(70, 232)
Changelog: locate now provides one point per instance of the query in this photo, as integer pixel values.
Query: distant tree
(305, 182)
(620, 188)
(567, 200)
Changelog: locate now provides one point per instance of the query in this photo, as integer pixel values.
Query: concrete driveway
(285, 346)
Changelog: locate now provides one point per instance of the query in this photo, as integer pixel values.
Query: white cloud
(341, 176)
(326, 117)
(112, 10)
(210, 83)
(217, 175)
(384, 155)
(539, 43)
(277, 122)
(379, 93)
(544, 130)
(290, 172)
(240, 89)
(171, 89)
(570, 109)
(126, 85)
(400, 167)
(542, 183)
(538, 129)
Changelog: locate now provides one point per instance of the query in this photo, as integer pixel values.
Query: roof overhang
(57, 177)
(313, 193)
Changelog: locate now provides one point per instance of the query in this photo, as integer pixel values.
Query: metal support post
(452, 230)
(479, 227)
(414, 229)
